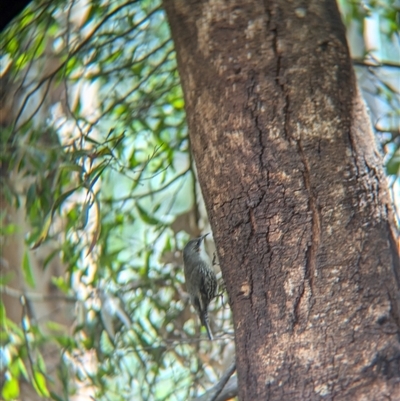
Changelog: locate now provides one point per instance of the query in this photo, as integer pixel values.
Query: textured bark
(296, 196)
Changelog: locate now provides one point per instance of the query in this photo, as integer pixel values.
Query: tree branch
(35, 296)
(375, 63)
(223, 390)
(79, 47)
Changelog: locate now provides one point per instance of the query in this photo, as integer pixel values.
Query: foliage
(98, 145)
(373, 30)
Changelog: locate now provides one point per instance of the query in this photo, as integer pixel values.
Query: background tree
(95, 163)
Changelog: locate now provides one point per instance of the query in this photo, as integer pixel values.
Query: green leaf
(22, 369)
(40, 363)
(56, 397)
(21, 61)
(4, 337)
(62, 198)
(6, 278)
(44, 232)
(54, 326)
(60, 283)
(65, 341)
(393, 165)
(10, 389)
(27, 270)
(151, 220)
(46, 227)
(70, 167)
(31, 196)
(50, 257)
(8, 229)
(39, 383)
(100, 167)
(178, 104)
(3, 313)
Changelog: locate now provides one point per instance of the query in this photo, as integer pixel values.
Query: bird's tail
(205, 322)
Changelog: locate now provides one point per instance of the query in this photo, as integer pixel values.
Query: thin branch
(24, 319)
(62, 65)
(32, 60)
(134, 89)
(376, 64)
(127, 32)
(221, 391)
(36, 110)
(224, 379)
(383, 83)
(35, 296)
(140, 196)
(393, 131)
(129, 64)
(17, 20)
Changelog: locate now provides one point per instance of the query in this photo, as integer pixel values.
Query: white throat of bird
(202, 252)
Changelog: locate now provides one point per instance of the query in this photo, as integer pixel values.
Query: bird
(200, 278)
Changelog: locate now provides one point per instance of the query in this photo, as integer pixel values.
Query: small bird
(201, 281)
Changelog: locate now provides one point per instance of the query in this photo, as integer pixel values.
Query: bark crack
(254, 117)
(353, 153)
(280, 80)
(312, 250)
(250, 271)
(296, 307)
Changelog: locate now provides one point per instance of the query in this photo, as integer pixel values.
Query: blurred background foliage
(97, 180)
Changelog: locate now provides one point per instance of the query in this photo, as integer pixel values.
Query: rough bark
(296, 196)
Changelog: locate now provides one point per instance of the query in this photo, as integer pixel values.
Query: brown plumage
(201, 281)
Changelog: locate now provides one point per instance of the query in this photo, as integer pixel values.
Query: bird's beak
(203, 236)
(201, 239)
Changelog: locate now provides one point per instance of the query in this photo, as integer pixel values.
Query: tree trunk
(296, 196)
